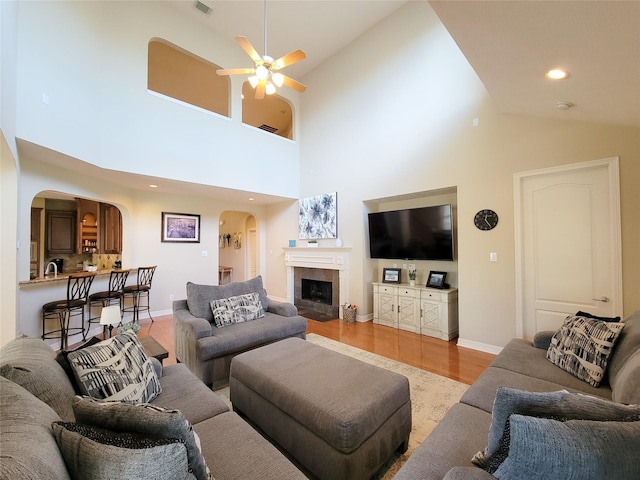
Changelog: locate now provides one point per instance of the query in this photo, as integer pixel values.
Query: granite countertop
(62, 276)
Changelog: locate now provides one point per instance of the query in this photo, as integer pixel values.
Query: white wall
(177, 263)
(398, 107)
(90, 59)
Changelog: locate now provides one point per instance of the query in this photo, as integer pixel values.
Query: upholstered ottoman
(338, 417)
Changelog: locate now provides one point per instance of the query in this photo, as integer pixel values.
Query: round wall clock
(486, 219)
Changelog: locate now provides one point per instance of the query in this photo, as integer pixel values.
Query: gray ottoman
(340, 418)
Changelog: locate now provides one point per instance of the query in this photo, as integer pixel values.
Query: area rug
(431, 396)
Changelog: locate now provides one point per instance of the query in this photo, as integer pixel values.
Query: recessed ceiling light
(564, 105)
(153, 186)
(557, 74)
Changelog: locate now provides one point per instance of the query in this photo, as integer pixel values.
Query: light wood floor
(437, 356)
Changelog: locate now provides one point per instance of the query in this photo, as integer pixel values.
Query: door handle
(601, 299)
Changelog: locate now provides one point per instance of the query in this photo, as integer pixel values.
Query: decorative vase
(412, 282)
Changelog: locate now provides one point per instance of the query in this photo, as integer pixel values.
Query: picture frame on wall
(391, 275)
(180, 228)
(436, 279)
(318, 216)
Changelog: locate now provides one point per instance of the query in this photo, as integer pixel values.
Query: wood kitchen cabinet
(88, 213)
(61, 231)
(110, 229)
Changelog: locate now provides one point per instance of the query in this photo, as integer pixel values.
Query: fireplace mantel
(329, 258)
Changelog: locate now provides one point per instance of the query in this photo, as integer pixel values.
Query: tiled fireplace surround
(319, 263)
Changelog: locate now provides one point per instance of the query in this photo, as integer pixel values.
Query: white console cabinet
(428, 311)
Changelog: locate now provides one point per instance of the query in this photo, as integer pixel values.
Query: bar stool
(78, 287)
(138, 291)
(117, 280)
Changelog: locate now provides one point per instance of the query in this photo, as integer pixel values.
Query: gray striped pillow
(236, 309)
(116, 369)
(582, 347)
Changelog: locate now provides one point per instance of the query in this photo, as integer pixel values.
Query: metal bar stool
(138, 291)
(117, 280)
(78, 287)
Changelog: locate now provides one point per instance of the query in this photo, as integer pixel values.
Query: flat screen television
(424, 233)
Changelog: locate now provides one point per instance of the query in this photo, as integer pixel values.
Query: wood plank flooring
(431, 354)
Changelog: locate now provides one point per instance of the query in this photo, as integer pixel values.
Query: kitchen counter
(63, 276)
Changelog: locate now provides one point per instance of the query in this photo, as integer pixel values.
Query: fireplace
(313, 293)
(323, 264)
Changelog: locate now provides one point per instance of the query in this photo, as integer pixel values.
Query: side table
(153, 348)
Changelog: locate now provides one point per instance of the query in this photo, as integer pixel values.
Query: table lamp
(110, 316)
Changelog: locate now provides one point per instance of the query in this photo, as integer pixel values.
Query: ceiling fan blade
(260, 89)
(288, 59)
(291, 83)
(236, 71)
(246, 45)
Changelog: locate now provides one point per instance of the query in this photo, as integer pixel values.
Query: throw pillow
(571, 406)
(604, 319)
(97, 453)
(145, 419)
(582, 347)
(240, 308)
(62, 359)
(116, 369)
(541, 448)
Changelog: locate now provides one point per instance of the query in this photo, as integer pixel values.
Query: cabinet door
(430, 319)
(111, 229)
(61, 231)
(387, 313)
(408, 311)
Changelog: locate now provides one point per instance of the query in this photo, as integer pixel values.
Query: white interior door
(568, 244)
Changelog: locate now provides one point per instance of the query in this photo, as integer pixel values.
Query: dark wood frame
(436, 279)
(169, 221)
(391, 275)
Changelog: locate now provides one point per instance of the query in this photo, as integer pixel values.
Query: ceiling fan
(265, 75)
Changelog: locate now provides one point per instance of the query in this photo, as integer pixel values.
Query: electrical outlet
(404, 266)
(204, 253)
(171, 297)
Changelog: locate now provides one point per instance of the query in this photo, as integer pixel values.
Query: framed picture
(436, 279)
(318, 216)
(391, 275)
(180, 228)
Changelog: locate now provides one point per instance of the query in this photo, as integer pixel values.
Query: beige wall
(405, 126)
(8, 252)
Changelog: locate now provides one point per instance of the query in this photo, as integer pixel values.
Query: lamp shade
(110, 315)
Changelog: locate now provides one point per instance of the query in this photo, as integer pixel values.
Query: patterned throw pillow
(241, 308)
(146, 419)
(100, 454)
(582, 347)
(116, 369)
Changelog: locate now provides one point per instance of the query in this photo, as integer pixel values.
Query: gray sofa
(42, 393)
(448, 450)
(208, 350)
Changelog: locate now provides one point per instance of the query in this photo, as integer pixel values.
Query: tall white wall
(90, 60)
(393, 114)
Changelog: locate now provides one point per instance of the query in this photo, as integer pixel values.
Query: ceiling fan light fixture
(278, 79)
(262, 72)
(271, 89)
(253, 80)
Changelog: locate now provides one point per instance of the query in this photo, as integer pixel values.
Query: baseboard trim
(483, 347)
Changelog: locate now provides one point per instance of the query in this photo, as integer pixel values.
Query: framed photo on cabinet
(436, 279)
(391, 275)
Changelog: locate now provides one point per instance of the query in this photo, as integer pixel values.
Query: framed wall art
(391, 275)
(318, 216)
(180, 228)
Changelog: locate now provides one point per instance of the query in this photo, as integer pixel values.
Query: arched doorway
(237, 246)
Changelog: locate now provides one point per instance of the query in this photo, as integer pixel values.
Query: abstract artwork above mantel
(318, 216)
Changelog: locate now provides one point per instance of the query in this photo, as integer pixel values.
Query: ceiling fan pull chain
(265, 27)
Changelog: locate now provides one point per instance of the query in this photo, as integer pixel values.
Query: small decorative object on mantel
(312, 243)
(412, 274)
(292, 243)
(349, 312)
(436, 280)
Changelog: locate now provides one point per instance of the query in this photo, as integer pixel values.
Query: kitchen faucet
(55, 270)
